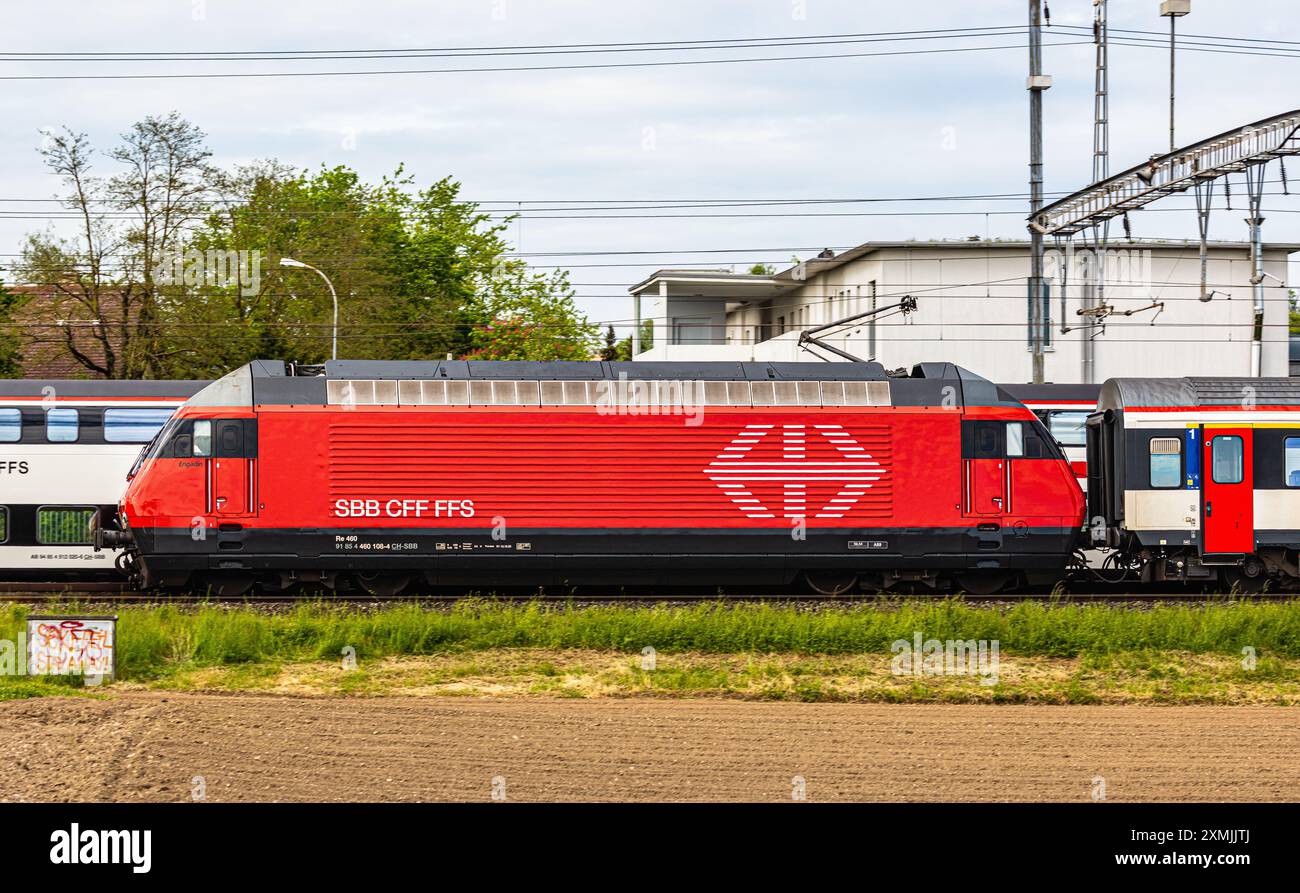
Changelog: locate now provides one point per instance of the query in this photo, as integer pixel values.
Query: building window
(61, 425)
(1044, 298)
(133, 425)
(63, 525)
(1068, 426)
(11, 425)
(692, 330)
(1228, 459)
(1166, 462)
(1293, 461)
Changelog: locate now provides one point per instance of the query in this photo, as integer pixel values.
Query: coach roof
(1229, 393)
(87, 389)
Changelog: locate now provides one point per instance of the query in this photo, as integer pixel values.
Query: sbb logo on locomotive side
(404, 508)
(13, 466)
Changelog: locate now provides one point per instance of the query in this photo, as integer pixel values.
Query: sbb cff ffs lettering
(404, 508)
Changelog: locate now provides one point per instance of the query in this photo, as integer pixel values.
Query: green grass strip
(155, 640)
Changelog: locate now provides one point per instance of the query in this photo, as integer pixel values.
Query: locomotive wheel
(383, 585)
(829, 583)
(977, 583)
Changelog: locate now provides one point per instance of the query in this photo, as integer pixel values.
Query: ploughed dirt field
(171, 747)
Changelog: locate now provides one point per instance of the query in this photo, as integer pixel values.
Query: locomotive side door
(1228, 492)
(231, 467)
(984, 467)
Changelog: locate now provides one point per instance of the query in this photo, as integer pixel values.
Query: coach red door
(1228, 492)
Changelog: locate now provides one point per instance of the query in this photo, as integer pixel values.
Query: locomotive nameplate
(354, 543)
(869, 545)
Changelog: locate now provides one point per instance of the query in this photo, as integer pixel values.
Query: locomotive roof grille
(606, 392)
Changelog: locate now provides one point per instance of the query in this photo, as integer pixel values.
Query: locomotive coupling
(103, 538)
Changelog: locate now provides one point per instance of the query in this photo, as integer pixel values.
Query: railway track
(118, 593)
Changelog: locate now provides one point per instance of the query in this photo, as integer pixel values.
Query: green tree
(1295, 312)
(10, 334)
(144, 281)
(420, 274)
(528, 316)
(609, 350)
(100, 280)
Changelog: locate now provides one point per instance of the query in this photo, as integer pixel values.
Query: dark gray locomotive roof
(274, 382)
(85, 389)
(1049, 393)
(1122, 393)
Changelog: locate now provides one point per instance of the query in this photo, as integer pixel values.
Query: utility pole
(1037, 83)
(1173, 10)
(1094, 293)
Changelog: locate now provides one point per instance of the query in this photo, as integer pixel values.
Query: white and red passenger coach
(1198, 479)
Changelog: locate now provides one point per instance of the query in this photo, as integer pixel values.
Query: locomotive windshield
(152, 449)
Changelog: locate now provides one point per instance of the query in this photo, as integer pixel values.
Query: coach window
(11, 425)
(133, 425)
(1228, 459)
(203, 437)
(63, 525)
(61, 425)
(1293, 461)
(1068, 427)
(1166, 463)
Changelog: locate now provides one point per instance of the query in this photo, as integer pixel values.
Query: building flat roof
(763, 285)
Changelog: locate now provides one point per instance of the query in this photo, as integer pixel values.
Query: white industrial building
(972, 309)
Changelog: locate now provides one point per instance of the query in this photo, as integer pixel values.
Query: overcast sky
(886, 126)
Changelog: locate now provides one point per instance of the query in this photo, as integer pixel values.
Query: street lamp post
(334, 342)
(1173, 10)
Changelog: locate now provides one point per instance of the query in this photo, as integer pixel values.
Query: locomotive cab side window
(61, 425)
(230, 438)
(1293, 462)
(11, 425)
(1015, 440)
(1228, 459)
(1166, 463)
(1008, 440)
(989, 440)
(202, 437)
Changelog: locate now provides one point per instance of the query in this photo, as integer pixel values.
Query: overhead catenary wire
(500, 69)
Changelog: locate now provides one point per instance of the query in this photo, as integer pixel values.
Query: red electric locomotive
(380, 475)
